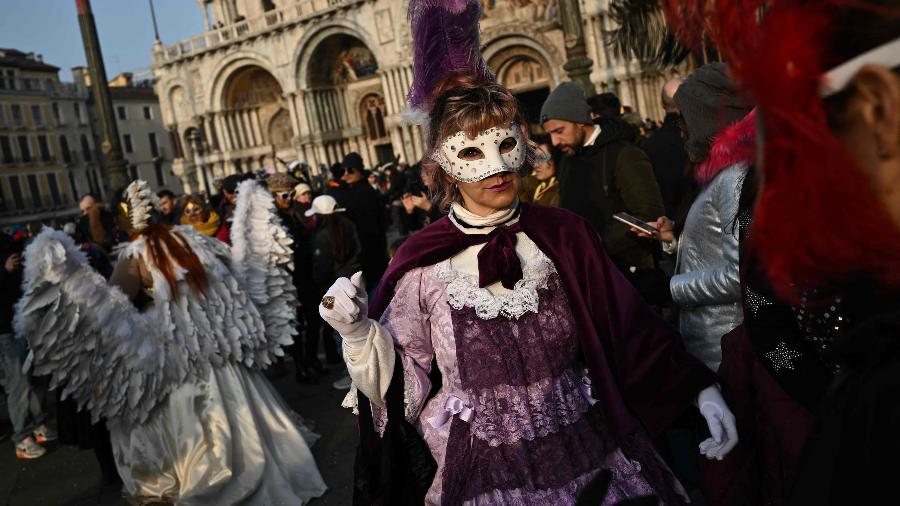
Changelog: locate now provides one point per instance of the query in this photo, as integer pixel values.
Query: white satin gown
(229, 440)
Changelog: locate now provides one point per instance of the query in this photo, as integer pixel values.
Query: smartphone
(634, 221)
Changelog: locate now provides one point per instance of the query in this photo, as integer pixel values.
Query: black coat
(292, 220)
(365, 208)
(851, 456)
(173, 218)
(665, 148)
(613, 175)
(326, 269)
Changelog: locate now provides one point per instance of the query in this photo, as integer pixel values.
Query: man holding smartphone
(600, 174)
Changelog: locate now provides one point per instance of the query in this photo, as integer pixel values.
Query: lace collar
(463, 290)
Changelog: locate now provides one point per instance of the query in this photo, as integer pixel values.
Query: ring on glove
(328, 302)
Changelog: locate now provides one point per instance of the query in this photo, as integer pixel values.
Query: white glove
(350, 307)
(721, 424)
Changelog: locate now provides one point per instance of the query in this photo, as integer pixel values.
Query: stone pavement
(67, 476)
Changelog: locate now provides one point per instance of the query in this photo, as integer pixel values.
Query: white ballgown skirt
(228, 440)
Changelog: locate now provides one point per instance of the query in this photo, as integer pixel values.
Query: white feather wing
(262, 259)
(88, 337)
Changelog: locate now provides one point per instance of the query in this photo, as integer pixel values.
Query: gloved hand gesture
(345, 307)
(721, 424)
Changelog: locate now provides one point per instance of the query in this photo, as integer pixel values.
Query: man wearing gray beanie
(602, 173)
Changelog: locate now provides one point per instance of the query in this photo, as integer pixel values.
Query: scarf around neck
(208, 227)
(471, 223)
(544, 187)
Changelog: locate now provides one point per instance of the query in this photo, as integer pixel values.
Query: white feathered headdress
(141, 202)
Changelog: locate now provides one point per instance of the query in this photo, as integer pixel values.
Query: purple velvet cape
(642, 376)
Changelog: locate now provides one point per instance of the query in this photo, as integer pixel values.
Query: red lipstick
(498, 188)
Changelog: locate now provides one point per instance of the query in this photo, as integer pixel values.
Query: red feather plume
(817, 220)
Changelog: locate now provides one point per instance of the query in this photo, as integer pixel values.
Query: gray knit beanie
(567, 103)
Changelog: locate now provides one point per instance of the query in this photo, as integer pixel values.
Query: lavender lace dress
(513, 422)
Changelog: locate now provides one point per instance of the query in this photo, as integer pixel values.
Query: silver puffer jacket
(706, 285)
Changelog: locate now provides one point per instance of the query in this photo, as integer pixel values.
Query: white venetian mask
(493, 151)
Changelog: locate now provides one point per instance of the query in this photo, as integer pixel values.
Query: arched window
(372, 114)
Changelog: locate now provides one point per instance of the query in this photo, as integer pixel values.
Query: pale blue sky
(50, 28)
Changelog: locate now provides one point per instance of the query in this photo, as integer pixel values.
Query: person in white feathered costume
(170, 354)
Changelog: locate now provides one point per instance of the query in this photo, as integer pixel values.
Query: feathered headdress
(446, 41)
(641, 32)
(817, 219)
(141, 202)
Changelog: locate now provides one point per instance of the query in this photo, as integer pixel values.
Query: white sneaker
(28, 449)
(43, 434)
(343, 383)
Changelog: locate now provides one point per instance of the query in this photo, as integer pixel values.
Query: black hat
(230, 183)
(353, 162)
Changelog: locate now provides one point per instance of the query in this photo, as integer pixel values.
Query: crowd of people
(521, 318)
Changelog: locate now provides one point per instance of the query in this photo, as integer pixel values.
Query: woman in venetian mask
(504, 359)
(199, 214)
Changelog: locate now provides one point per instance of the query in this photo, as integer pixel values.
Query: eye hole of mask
(470, 154)
(508, 145)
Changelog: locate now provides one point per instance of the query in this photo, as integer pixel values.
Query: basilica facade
(273, 81)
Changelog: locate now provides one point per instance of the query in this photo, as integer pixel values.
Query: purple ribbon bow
(498, 261)
(453, 406)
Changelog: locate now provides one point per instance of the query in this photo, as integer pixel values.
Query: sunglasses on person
(286, 195)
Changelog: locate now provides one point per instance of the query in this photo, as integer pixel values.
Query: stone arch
(248, 86)
(527, 69)
(226, 69)
(187, 141)
(166, 105)
(505, 46)
(279, 128)
(521, 69)
(179, 105)
(307, 46)
(249, 98)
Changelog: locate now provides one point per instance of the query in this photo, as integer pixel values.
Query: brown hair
(168, 249)
(463, 102)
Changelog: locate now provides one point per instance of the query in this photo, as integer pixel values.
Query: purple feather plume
(445, 37)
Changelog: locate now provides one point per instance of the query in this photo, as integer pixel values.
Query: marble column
(233, 132)
(225, 138)
(257, 124)
(310, 113)
(292, 111)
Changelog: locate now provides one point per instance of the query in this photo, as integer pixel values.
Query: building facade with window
(311, 80)
(48, 156)
(145, 142)
(46, 145)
